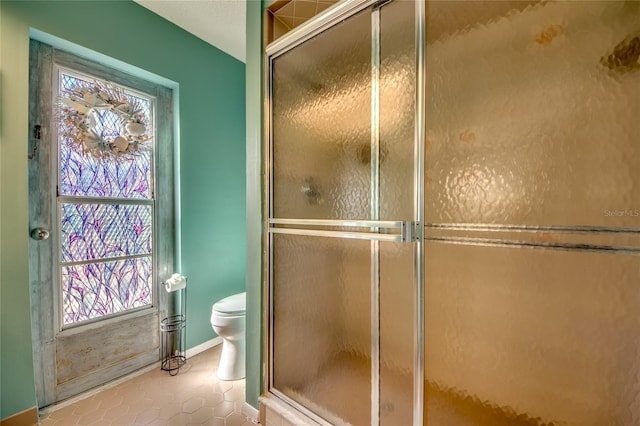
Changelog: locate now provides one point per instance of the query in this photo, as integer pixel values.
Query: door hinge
(37, 135)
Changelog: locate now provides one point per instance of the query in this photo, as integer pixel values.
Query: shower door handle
(406, 231)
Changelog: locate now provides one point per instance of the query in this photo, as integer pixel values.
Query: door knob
(39, 234)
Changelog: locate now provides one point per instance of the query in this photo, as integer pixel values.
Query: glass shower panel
(397, 109)
(322, 325)
(321, 119)
(532, 213)
(531, 336)
(396, 161)
(397, 329)
(532, 113)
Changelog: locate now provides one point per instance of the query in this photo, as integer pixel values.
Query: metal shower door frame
(399, 231)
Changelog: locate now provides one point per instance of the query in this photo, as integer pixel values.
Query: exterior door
(102, 233)
(343, 256)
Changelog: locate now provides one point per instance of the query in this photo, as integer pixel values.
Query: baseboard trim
(28, 417)
(203, 346)
(250, 413)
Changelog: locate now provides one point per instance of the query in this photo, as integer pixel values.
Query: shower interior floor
(340, 393)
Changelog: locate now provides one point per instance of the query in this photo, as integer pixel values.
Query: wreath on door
(83, 112)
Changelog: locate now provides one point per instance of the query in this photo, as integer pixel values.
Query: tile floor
(193, 397)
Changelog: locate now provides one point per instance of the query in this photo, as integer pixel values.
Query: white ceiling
(220, 23)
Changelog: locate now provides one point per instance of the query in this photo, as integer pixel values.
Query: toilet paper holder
(173, 328)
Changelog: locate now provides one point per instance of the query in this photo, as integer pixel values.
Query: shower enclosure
(453, 220)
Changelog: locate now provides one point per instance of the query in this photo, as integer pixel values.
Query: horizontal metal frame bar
(66, 199)
(487, 242)
(340, 223)
(316, 25)
(531, 228)
(104, 260)
(370, 236)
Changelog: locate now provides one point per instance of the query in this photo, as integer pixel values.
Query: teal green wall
(17, 391)
(254, 202)
(212, 160)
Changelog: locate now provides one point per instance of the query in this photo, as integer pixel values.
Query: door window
(105, 205)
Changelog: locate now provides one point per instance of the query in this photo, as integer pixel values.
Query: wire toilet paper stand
(173, 332)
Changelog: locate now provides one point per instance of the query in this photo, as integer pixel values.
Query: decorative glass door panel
(105, 206)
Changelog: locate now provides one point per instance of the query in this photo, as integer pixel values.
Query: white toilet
(228, 321)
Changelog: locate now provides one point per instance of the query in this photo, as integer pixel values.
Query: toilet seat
(231, 306)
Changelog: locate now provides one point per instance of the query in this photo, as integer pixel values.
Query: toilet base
(232, 365)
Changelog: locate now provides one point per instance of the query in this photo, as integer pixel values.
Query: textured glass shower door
(532, 214)
(342, 212)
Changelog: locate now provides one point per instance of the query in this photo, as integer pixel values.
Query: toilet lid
(236, 304)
